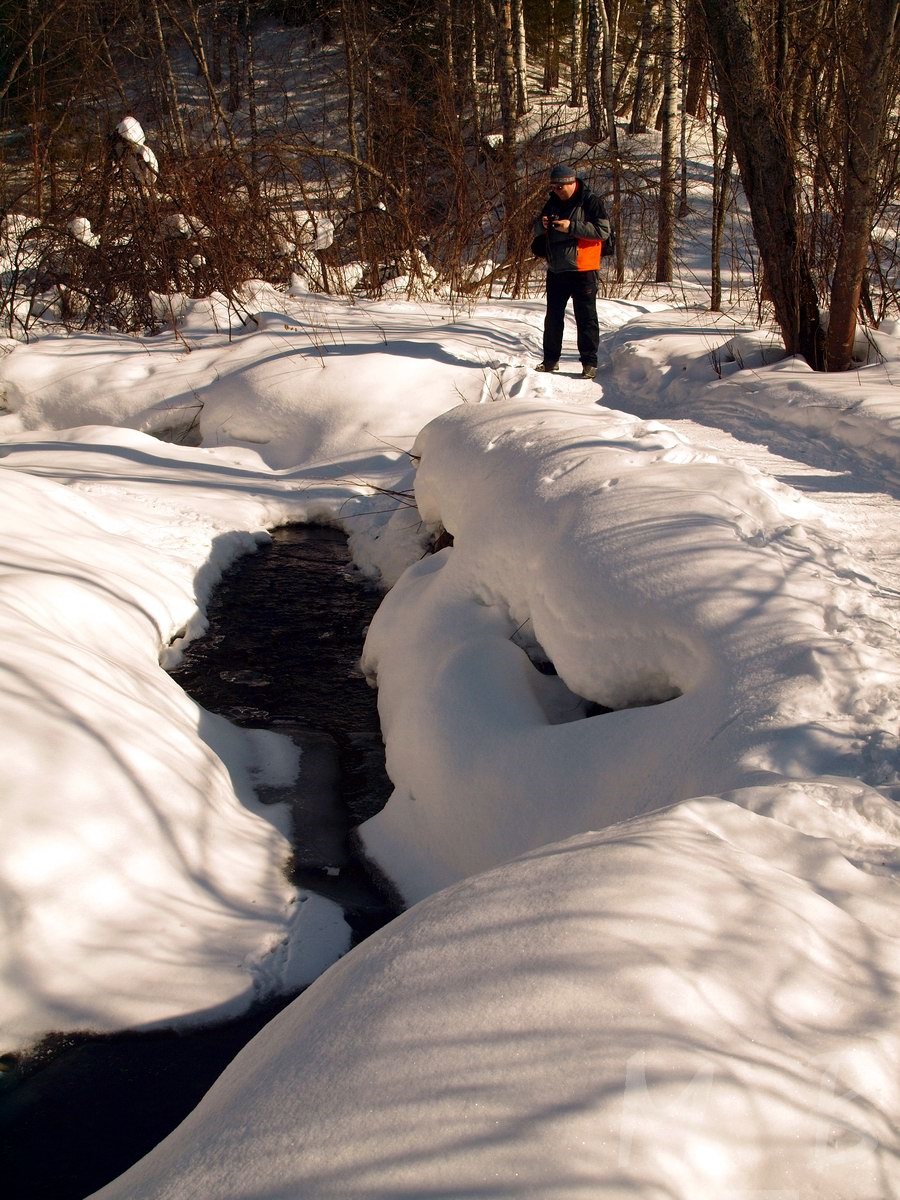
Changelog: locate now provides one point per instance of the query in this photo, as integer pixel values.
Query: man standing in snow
(575, 225)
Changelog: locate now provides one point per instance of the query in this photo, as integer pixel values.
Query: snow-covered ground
(655, 951)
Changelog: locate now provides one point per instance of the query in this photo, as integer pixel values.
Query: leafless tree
(769, 170)
(639, 107)
(669, 117)
(867, 90)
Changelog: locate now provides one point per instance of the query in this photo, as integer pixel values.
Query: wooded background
(423, 132)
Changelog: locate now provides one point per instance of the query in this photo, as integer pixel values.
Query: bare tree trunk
(215, 43)
(471, 44)
(593, 58)
(194, 42)
(768, 172)
(250, 76)
(616, 215)
(665, 241)
(625, 77)
(234, 59)
(35, 32)
(445, 35)
(683, 208)
(609, 23)
(867, 99)
(521, 57)
(576, 85)
(638, 123)
(696, 66)
(170, 89)
(782, 38)
(507, 71)
(551, 50)
(350, 55)
(37, 105)
(721, 197)
(804, 84)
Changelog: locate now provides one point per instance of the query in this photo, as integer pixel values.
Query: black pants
(581, 288)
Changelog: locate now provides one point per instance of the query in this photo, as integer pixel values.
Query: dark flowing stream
(286, 630)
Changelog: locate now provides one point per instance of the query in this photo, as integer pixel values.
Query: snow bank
(677, 590)
(301, 380)
(698, 1004)
(143, 883)
(706, 366)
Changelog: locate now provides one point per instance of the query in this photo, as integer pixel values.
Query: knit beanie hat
(562, 174)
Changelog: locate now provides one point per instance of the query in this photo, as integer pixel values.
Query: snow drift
(677, 590)
(698, 1004)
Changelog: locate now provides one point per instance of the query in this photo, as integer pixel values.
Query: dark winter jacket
(580, 248)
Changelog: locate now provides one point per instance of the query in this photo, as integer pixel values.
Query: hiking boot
(545, 366)
(588, 372)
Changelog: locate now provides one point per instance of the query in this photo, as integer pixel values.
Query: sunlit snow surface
(699, 1003)
(644, 572)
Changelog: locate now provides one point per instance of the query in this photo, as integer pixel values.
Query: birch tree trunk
(521, 57)
(593, 68)
(507, 72)
(576, 76)
(665, 239)
(250, 78)
(470, 87)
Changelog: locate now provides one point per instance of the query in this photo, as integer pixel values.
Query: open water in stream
(286, 630)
